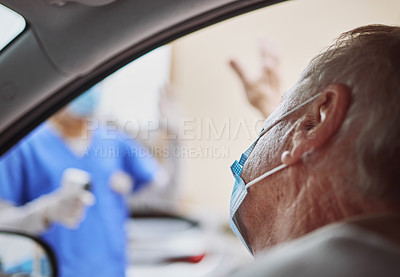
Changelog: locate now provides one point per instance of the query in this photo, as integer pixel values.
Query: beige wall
(207, 88)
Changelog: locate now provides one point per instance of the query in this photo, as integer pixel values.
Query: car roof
(67, 48)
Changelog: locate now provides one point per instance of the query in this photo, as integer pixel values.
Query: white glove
(121, 183)
(68, 204)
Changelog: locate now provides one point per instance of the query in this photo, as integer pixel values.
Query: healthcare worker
(116, 165)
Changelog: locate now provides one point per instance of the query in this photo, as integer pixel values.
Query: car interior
(163, 69)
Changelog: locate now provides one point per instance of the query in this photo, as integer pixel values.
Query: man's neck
(320, 203)
(71, 127)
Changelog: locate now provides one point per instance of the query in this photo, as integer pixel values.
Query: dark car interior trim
(37, 114)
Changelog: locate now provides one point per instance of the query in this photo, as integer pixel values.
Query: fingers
(87, 198)
(270, 63)
(74, 178)
(74, 211)
(74, 216)
(269, 53)
(240, 71)
(121, 183)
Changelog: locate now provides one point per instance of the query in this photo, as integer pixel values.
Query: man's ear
(321, 121)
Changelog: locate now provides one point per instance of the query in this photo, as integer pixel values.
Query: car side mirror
(22, 255)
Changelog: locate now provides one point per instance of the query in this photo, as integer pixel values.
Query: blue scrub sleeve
(12, 177)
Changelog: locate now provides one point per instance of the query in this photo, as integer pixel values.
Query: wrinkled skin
(300, 199)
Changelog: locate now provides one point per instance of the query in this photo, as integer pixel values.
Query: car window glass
(11, 25)
(184, 108)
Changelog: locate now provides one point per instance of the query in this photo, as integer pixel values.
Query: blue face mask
(86, 104)
(240, 188)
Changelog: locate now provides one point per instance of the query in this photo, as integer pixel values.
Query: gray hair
(367, 61)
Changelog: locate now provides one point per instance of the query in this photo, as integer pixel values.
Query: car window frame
(58, 99)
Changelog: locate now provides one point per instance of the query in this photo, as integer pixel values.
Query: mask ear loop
(285, 154)
(288, 113)
(265, 175)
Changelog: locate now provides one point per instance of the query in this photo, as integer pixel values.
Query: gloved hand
(68, 204)
(121, 183)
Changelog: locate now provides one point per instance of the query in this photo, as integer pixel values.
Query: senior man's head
(340, 148)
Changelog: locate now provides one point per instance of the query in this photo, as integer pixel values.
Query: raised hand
(263, 90)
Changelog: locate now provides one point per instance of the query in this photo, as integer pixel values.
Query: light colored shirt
(341, 249)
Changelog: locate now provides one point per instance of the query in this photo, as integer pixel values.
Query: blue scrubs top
(35, 166)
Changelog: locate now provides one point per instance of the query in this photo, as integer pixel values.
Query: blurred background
(209, 95)
(214, 121)
(185, 103)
